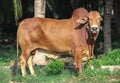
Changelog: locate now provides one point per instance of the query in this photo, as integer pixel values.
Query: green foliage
(116, 44)
(94, 72)
(50, 4)
(8, 55)
(6, 9)
(55, 67)
(113, 58)
(11, 10)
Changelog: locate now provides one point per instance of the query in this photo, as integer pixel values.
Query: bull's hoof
(34, 75)
(87, 58)
(23, 75)
(91, 57)
(78, 72)
(84, 59)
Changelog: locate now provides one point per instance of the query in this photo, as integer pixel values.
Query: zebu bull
(62, 36)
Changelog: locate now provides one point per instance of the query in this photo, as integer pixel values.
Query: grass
(7, 55)
(89, 75)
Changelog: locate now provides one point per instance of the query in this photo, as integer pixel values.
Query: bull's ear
(82, 20)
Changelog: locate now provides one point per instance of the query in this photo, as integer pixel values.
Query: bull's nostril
(94, 28)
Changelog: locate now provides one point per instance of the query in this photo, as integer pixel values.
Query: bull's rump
(48, 34)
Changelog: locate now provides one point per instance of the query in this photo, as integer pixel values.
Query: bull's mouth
(94, 32)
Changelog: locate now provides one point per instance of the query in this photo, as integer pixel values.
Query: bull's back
(48, 34)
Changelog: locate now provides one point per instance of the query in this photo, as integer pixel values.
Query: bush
(113, 58)
(55, 67)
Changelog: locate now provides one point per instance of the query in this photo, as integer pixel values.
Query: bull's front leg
(78, 60)
(92, 52)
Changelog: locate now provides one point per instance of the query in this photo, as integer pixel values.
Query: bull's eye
(99, 18)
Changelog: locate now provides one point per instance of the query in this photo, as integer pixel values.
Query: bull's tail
(17, 46)
(14, 67)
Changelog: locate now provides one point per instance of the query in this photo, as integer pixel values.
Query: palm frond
(17, 9)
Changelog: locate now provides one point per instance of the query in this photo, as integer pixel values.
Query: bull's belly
(51, 53)
(56, 50)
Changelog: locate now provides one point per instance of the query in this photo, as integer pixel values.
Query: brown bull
(63, 36)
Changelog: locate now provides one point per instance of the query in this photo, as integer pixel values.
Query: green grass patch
(66, 76)
(55, 73)
(7, 55)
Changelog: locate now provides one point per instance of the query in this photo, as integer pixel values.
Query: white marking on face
(94, 26)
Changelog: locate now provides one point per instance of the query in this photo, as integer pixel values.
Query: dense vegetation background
(13, 12)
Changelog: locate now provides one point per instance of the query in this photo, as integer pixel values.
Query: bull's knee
(22, 61)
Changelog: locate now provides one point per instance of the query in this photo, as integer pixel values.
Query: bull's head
(94, 21)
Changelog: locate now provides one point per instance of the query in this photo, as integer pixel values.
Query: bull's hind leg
(23, 64)
(30, 65)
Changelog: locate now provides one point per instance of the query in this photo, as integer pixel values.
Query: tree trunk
(39, 8)
(39, 11)
(117, 16)
(107, 25)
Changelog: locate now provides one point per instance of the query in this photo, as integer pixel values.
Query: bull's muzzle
(94, 29)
